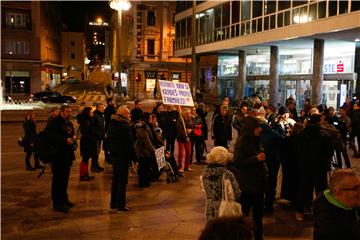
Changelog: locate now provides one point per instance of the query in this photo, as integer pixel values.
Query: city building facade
(275, 49)
(31, 47)
(147, 49)
(73, 55)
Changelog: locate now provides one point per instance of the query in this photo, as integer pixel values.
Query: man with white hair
(121, 154)
(337, 209)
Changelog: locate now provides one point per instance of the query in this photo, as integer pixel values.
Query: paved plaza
(163, 211)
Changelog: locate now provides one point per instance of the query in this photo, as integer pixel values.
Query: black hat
(283, 110)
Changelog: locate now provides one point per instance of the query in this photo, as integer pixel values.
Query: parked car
(71, 80)
(53, 97)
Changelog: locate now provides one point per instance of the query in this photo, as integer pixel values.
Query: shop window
(151, 18)
(151, 47)
(17, 84)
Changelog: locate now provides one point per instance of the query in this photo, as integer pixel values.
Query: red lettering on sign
(340, 67)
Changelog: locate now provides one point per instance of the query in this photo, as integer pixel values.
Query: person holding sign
(185, 127)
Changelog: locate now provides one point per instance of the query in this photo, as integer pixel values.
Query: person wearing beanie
(284, 123)
(211, 181)
(249, 161)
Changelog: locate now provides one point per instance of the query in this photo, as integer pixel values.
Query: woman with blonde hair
(212, 181)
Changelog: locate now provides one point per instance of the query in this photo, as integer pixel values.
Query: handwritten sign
(160, 157)
(176, 93)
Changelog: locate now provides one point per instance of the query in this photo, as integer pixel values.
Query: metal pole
(119, 50)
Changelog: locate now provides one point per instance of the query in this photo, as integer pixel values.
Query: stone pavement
(163, 211)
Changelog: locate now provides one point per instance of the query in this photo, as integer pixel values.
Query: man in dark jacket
(249, 161)
(99, 125)
(109, 111)
(355, 129)
(136, 113)
(122, 154)
(337, 210)
(61, 135)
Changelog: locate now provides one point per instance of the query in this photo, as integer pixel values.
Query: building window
(72, 55)
(173, 48)
(17, 19)
(17, 82)
(72, 43)
(151, 18)
(151, 47)
(13, 47)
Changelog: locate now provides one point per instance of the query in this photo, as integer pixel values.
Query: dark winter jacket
(182, 135)
(121, 141)
(251, 172)
(271, 141)
(144, 147)
(59, 130)
(314, 149)
(333, 223)
(355, 123)
(89, 136)
(170, 131)
(222, 130)
(99, 124)
(202, 114)
(29, 135)
(109, 111)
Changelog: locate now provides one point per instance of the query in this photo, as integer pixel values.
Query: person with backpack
(61, 135)
(29, 138)
(88, 142)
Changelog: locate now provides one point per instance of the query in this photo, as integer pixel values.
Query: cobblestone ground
(163, 211)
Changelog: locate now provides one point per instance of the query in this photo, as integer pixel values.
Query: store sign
(176, 93)
(334, 68)
(138, 33)
(151, 74)
(340, 67)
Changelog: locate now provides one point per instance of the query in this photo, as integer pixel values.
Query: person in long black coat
(108, 112)
(249, 161)
(170, 131)
(222, 130)
(122, 154)
(88, 141)
(61, 135)
(271, 141)
(29, 126)
(99, 125)
(314, 150)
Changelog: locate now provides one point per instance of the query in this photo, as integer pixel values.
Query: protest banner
(176, 93)
(160, 157)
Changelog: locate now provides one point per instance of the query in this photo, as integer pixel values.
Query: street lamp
(119, 5)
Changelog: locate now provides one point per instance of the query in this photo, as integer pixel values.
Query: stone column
(274, 76)
(194, 75)
(318, 76)
(241, 76)
(357, 69)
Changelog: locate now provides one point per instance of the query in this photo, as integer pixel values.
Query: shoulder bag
(228, 207)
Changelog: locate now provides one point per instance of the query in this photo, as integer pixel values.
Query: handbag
(21, 141)
(228, 208)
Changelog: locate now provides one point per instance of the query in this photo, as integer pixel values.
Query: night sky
(76, 14)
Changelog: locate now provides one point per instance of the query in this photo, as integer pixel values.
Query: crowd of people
(306, 147)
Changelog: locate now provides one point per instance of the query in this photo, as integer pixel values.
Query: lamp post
(119, 5)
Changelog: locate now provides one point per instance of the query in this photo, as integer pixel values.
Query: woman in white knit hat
(211, 181)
